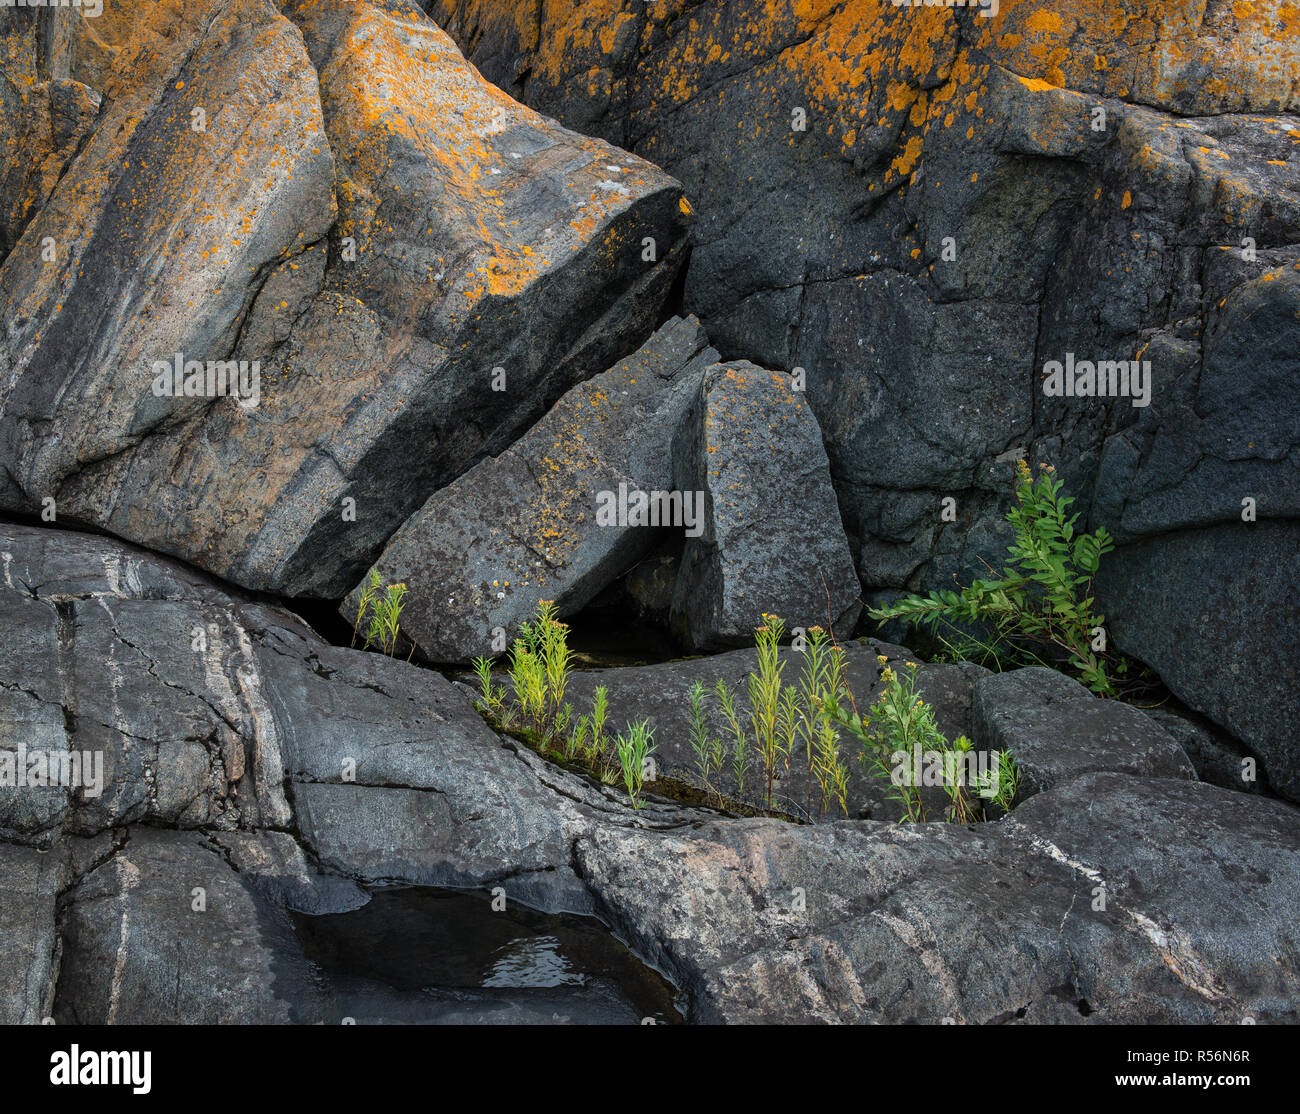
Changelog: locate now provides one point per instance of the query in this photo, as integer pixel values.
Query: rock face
(991, 924)
(372, 225)
(968, 199)
(772, 540)
(1214, 612)
(29, 943)
(388, 775)
(1057, 730)
(528, 525)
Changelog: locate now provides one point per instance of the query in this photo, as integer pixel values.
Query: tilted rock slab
(526, 526)
(772, 539)
(365, 218)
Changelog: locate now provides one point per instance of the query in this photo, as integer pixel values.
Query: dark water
(432, 940)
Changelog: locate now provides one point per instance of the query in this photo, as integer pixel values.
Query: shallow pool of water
(433, 940)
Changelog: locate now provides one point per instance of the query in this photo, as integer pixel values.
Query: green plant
(385, 608)
(492, 697)
(634, 748)
(708, 750)
(1043, 599)
(822, 679)
(368, 592)
(765, 699)
(740, 743)
(900, 733)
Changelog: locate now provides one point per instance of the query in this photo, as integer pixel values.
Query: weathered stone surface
(150, 674)
(1047, 181)
(136, 949)
(29, 883)
(984, 924)
(43, 120)
(1217, 757)
(1214, 612)
(523, 527)
(660, 694)
(1057, 730)
(772, 538)
(465, 232)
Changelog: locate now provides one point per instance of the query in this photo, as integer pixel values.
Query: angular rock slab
(1214, 612)
(868, 922)
(523, 527)
(1056, 730)
(465, 233)
(772, 539)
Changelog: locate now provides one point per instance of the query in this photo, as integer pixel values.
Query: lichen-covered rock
(771, 539)
(529, 525)
(43, 121)
(922, 206)
(377, 242)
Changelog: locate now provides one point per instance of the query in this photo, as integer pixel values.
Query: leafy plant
(709, 751)
(740, 743)
(765, 699)
(368, 592)
(1043, 599)
(901, 725)
(634, 748)
(384, 608)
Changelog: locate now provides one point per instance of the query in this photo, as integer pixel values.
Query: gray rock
(1217, 756)
(967, 200)
(165, 932)
(147, 677)
(1057, 730)
(867, 922)
(1226, 640)
(771, 540)
(29, 946)
(524, 526)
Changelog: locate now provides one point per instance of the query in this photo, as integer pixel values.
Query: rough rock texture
(856, 922)
(377, 241)
(29, 883)
(1227, 639)
(43, 121)
(524, 527)
(660, 694)
(772, 538)
(1057, 730)
(955, 214)
(149, 666)
(388, 775)
(1217, 757)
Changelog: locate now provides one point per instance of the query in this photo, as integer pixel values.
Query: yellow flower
(881, 658)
